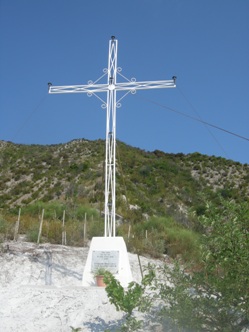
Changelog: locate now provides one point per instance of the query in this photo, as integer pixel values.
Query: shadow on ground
(100, 325)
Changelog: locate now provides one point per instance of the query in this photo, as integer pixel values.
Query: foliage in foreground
(129, 300)
(214, 297)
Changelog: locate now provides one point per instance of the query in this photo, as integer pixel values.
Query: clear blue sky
(203, 43)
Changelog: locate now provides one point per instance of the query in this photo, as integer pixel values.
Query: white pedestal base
(108, 244)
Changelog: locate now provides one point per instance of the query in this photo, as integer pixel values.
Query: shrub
(32, 233)
(127, 300)
(6, 229)
(215, 296)
(164, 236)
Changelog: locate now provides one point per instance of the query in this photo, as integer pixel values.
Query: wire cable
(206, 126)
(194, 118)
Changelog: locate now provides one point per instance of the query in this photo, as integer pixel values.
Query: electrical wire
(206, 126)
(194, 118)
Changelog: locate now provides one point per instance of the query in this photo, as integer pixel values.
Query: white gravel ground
(41, 291)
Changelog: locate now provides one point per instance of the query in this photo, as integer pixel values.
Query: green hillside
(148, 183)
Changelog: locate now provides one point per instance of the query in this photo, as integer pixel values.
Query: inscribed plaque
(108, 260)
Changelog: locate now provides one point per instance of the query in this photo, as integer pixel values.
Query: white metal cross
(111, 103)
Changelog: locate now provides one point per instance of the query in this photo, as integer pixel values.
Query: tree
(214, 297)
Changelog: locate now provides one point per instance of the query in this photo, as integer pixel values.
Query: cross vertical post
(111, 103)
(110, 161)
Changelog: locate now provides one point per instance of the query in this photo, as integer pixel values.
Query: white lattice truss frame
(111, 103)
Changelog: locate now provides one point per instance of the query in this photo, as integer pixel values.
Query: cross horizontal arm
(144, 85)
(126, 86)
(78, 88)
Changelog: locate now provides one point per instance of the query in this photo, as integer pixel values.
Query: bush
(95, 228)
(32, 233)
(214, 297)
(164, 236)
(52, 230)
(6, 229)
(183, 243)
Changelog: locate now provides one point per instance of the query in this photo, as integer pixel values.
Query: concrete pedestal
(111, 254)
